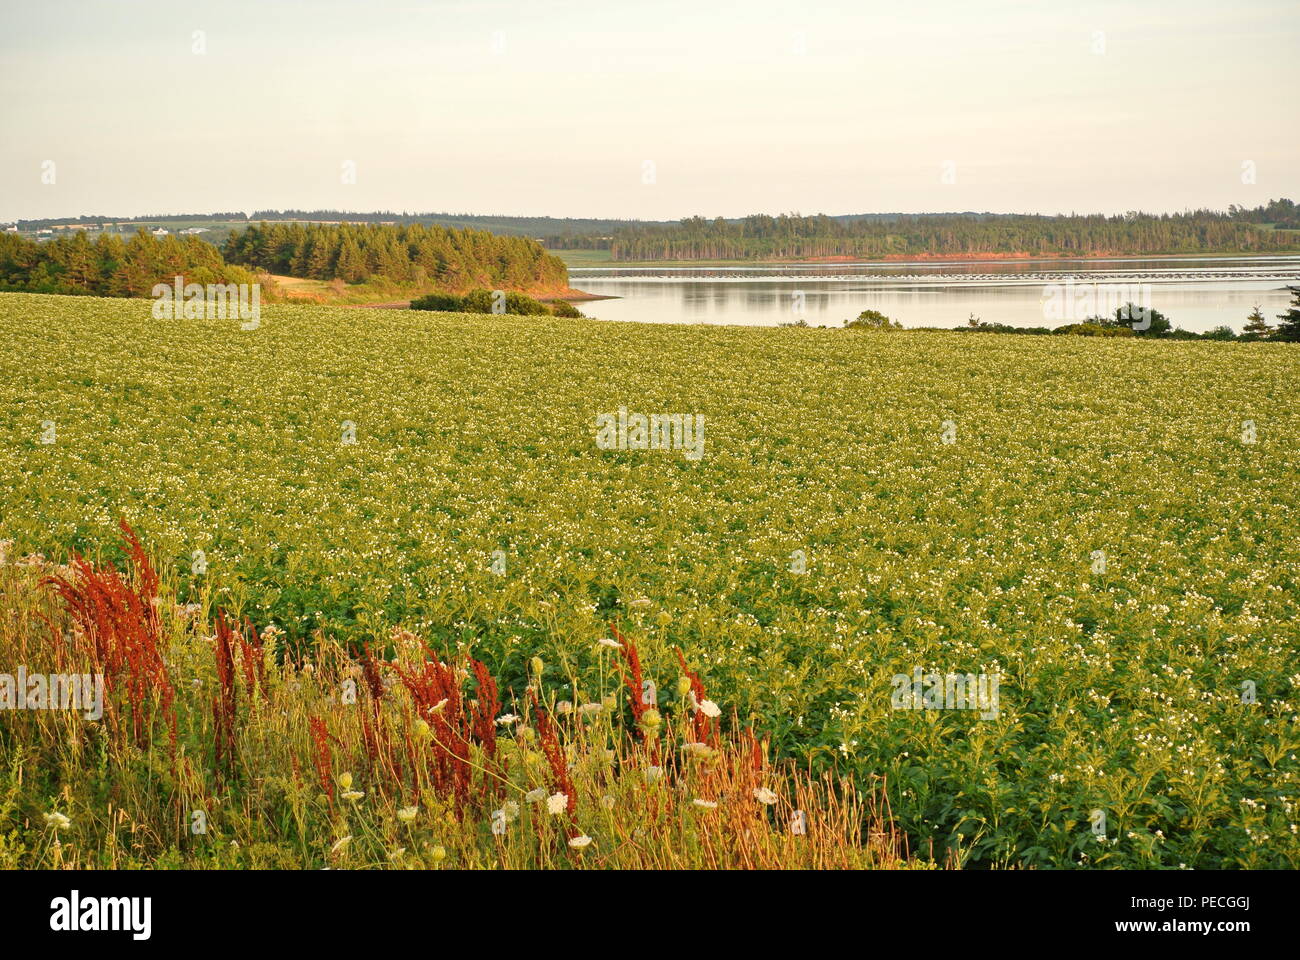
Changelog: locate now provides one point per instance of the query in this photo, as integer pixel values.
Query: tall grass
(217, 748)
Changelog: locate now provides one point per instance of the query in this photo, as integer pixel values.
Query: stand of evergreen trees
(536, 227)
(412, 256)
(110, 266)
(1283, 214)
(795, 237)
(415, 255)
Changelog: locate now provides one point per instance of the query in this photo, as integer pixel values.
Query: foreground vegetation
(1106, 524)
(216, 751)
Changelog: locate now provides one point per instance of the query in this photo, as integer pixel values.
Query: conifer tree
(1289, 328)
(352, 265)
(1256, 326)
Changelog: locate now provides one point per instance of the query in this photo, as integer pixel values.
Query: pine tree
(1256, 326)
(81, 269)
(1289, 328)
(352, 264)
(320, 264)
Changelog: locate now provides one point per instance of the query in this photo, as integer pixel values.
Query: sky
(653, 110)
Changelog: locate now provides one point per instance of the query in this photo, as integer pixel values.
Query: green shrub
(477, 301)
(439, 301)
(1145, 322)
(1221, 332)
(485, 301)
(874, 320)
(1091, 329)
(562, 308)
(524, 306)
(983, 326)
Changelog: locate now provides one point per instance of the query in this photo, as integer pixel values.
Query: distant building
(160, 232)
(11, 229)
(195, 230)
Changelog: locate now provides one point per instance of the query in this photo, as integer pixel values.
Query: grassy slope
(1119, 691)
(306, 291)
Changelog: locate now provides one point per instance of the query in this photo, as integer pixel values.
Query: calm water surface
(1195, 293)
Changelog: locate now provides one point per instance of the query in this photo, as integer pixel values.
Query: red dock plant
(630, 670)
(374, 734)
(486, 708)
(645, 715)
(324, 763)
(225, 713)
(455, 724)
(436, 696)
(224, 700)
(549, 741)
(116, 626)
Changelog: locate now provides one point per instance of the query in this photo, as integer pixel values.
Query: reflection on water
(1195, 293)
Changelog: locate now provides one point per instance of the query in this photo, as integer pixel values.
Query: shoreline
(571, 296)
(895, 259)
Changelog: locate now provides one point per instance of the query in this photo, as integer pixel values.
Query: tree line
(1157, 326)
(415, 255)
(536, 227)
(1128, 321)
(1283, 214)
(796, 237)
(110, 265)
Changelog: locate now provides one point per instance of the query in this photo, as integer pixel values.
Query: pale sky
(560, 107)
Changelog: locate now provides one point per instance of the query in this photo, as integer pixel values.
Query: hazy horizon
(149, 216)
(616, 111)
